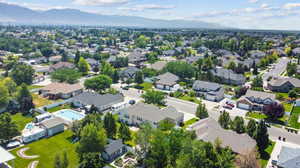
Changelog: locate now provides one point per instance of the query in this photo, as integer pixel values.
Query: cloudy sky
(253, 14)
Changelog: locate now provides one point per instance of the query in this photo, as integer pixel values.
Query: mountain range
(14, 14)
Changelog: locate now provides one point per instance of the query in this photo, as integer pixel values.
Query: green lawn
(47, 149)
(190, 122)
(191, 99)
(21, 120)
(260, 89)
(64, 106)
(283, 95)
(146, 86)
(287, 107)
(256, 115)
(264, 157)
(34, 87)
(293, 121)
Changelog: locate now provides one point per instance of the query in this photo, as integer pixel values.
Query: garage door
(244, 106)
(209, 97)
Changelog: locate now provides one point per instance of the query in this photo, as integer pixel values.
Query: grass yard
(264, 157)
(34, 87)
(189, 122)
(47, 149)
(146, 86)
(287, 106)
(256, 115)
(21, 120)
(189, 98)
(64, 106)
(285, 96)
(39, 101)
(293, 121)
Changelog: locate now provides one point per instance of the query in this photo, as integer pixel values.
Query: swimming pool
(29, 126)
(69, 115)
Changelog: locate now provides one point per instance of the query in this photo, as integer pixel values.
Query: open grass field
(47, 149)
(21, 120)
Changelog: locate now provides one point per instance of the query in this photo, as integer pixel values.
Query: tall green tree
(261, 136)
(201, 111)
(22, 73)
(25, 99)
(181, 69)
(77, 57)
(238, 125)
(251, 128)
(4, 96)
(91, 160)
(110, 125)
(154, 97)
(124, 132)
(224, 120)
(8, 128)
(139, 77)
(83, 66)
(99, 83)
(68, 75)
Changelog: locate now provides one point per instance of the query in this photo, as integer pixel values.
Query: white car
(13, 144)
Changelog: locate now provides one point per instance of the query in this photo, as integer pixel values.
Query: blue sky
(254, 14)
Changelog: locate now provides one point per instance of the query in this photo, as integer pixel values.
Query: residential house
(113, 150)
(257, 54)
(209, 130)
(227, 76)
(167, 81)
(193, 59)
(61, 65)
(168, 53)
(55, 59)
(104, 102)
(92, 62)
(137, 56)
(288, 158)
(158, 66)
(129, 73)
(283, 84)
(255, 100)
(53, 126)
(296, 51)
(146, 113)
(209, 90)
(61, 90)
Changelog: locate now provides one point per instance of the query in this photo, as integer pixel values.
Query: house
(158, 66)
(209, 90)
(61, 65)
(104, 102)
(167, 81)
(146, 113)
(61, 90)
(227, 76)
(283, 84)
(296, 51)
(257, 54)
(168, 53)
(53, 126)
(288, 158)
(255, 100)
(41, 69)
(209, 130)
(193, 59)
(55, 59)
(113, 150)
(129, 73)
(137, 56)
(92, 62)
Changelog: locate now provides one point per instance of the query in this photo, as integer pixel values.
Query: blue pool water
(69, 115)
(29, 126)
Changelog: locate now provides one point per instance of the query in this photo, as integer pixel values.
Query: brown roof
(60, 65)
(56, 88)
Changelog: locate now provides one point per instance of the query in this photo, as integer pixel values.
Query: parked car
(132, 102)
(227, 107)
(13, 144)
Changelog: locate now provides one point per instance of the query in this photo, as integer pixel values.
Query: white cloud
(291, 5)
(99, 2)
(147, 7)
(253, 1)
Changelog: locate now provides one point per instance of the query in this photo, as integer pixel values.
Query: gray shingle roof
(113, 146)
(52, 122)
(153, 113)
(281, 81)
(167, 79)
(258, 94)
(289, 157)
(204, 85)
(209, 130)
(90, 98)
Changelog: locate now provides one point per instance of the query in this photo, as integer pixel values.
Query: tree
(65, 160)
(68, 75)
(248, 160)
(92, 139)
(10, 85)
(57, 162)
(115, 76)
(22, 73)
(4, 96)
(10, 61)
(291, 69)
(240, 91)
(224, 120)
(201, 111)
(292, 94)
(238, 125)
(8, 129)
(257, 82)
(93, 109)
(139, 77)
(261, 136)
(91, 160)
(99, 83)
(83, 66)
(124, 132)
(166, 125)
(77, 57)
(274, 110)
(154, 97)
(110, 125)
(232, 65)
(107, 69)
(251, 128)
(181, 69)
(142, 41)
(25, 99)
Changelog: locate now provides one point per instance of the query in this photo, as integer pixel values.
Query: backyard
(57, 108)
(21, 120)
(40, 101)
(293, 121)
(47, 149)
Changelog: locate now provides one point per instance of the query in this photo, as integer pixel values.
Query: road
(278, 69)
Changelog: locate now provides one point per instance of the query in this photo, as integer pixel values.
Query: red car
(227, 107)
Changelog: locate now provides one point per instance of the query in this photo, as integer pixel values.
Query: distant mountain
(21, 15)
